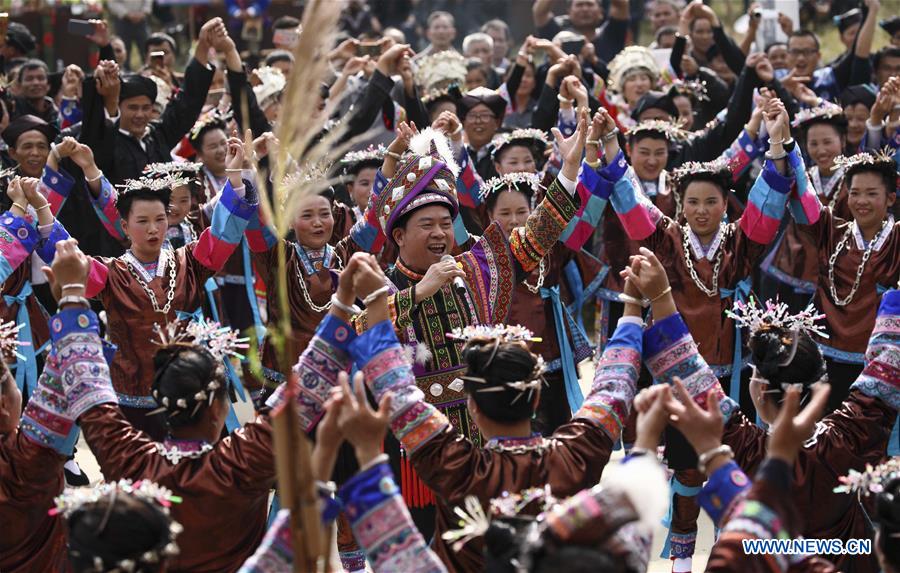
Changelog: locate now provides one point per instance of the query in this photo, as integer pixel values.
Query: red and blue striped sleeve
(18, 238)
(260, 237)
(468, 186)
(55, 186)
(639, 216)
(803, 203)
(230, 218)
(593, 189)
(743, 151)
(367, 232)
(105, 208)
(767, 203)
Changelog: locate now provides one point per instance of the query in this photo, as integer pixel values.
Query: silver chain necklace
(689, 260)
(305, 292)
(170, 295)
(175, 455)
(859, 271)
(540, 281)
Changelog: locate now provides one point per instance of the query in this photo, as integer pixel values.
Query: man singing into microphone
(415, 204)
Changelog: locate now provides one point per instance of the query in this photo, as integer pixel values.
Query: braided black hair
(496, 364)
(181, 385)
(785, 357)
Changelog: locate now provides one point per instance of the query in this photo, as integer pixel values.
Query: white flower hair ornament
(776, 315)
(9, 340)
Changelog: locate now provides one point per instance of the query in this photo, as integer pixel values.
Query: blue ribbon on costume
(740, 292)
(233, 377)
(26, 360)
(675, 488)
(893, 448)
(231, 421)
(567, 356)
(249, 284)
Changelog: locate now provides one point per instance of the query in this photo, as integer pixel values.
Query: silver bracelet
(772, 157)
(706, 457)
(74, 300)
(71, 286)
(351, 310)
(100, 174)
(611, 135)
(374, 295)
(628, 299)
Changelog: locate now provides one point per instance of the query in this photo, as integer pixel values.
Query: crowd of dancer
(712, 223)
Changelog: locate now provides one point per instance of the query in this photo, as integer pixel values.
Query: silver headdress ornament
(775, 314)
(474, 521)
(669, 129)
(878, 158)
(536, 135)
(715, 167)
(74, 499)
(171, 168)
(211, 117)
(501, 332)
(825, 110)
(871, 481)
(370, 153)
(164, 183)
(510, 182)
(9, 339)
(694, 88)
(220, 341)
(8, 172)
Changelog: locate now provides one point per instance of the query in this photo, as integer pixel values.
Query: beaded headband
(501, 332)
(74, 499)
(511, 182)
(524, 136)
(691, 88)
(371, 153)
(213, 118)
(825, 110)
(775, 314)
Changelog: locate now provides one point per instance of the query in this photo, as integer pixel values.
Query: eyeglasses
(808, 52)
(481, 117)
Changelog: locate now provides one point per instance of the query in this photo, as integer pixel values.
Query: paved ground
(89, 465)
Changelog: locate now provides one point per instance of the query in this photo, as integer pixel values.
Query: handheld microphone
(457, 282)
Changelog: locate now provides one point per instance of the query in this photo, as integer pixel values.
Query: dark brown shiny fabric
(130, 316)
(30, 477)
(852, 436)
(225, 491)
(705, 315)
(570, 461)
(849, 326)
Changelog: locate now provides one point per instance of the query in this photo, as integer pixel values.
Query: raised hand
(792, 81)
(652, 280)
(389, 61)
(702, 428)
(884, 101)
(793, 427)
(437, 275)
(575, 90)
(106, 77)
(449, 123)
(101, 33)
(345, 291)
(17, 195)
(653, 415)
(571, 148)
(70, 268)
(776, 119)
(31, 188)
(360, 425)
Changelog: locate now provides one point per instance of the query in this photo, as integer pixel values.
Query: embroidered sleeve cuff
(73, 321)
(663, 334)
(890, 303)
(616, 169)
(372, 342)
(629, 332)
(364, 491)
(776, 180)
(336, 332)
(720, 491)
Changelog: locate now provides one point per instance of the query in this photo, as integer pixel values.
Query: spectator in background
(159, 58)
(887, 64)
(480, 46)
(892, 27)
(118, 48)
(498, 30)
(395, 34)
(585, 17)
(285, 33)
(19, 42)
(777, 52)
(665, 13)
(665, 38)
(440, 32)
(357, 19)
(282, 60)
(131, 23)
(33, 88)
(476, 74)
